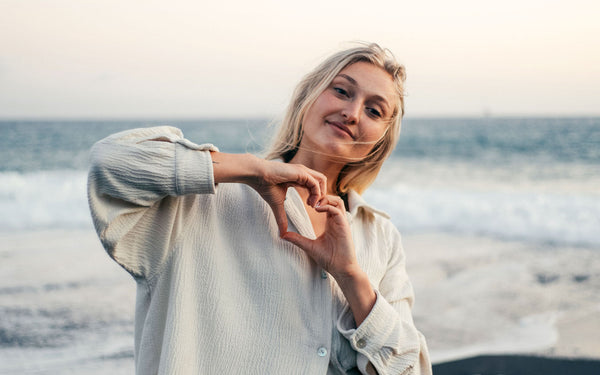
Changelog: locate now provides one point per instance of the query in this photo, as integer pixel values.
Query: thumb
(280, 218)
(298, 240)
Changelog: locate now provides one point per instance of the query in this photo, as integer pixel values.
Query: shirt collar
(356, 202)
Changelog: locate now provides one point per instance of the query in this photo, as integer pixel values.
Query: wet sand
(482, 296)
(67, 307)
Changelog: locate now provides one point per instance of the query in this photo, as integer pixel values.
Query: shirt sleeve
(136, 187)
(387, 341)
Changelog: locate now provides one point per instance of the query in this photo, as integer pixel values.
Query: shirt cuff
(371, 335)
(194, 169)
(382, 338)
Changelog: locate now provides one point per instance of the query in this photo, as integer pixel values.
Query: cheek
(317, 108)
(371, 137)
(327, 102)
(374, 132)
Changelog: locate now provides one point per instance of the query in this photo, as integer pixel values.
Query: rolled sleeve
(193, 170)
(390, 344)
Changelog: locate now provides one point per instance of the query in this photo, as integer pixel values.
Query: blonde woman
(267, 266)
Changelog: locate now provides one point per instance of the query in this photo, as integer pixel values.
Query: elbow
(99, 157)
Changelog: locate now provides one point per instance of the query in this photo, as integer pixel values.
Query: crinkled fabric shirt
(218, 292)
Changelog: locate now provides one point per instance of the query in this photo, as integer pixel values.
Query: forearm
(359, 293)
(240, 168)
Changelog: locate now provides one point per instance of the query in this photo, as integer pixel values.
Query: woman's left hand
(334, 249)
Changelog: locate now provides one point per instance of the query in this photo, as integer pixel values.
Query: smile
(340, 126)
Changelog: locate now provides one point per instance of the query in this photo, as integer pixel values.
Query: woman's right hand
(270, 179)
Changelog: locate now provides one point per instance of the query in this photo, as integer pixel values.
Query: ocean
(500, 219)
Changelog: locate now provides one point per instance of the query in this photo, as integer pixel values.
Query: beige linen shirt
(218, 292)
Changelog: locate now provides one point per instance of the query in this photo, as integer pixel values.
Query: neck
(322, 164)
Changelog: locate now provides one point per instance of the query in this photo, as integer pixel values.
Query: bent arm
(377, 321)
(142, 182)
(135, 180)
(387, 341)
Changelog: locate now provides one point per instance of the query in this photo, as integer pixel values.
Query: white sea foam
(43, 199)
(558, 203)
(530, 216)
(57, 200)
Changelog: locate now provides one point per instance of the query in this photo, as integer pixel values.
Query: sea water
(508, 193)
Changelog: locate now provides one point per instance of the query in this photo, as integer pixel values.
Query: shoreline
(494, 297)
(477, 299)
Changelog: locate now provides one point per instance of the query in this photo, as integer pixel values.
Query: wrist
(350, 277)
(236, 168)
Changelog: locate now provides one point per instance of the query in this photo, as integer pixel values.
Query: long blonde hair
(356, 175)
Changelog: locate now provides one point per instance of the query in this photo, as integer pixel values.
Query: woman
(247, 265)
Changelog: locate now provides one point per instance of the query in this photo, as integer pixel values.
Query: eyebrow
(378, 98)
(352, 80)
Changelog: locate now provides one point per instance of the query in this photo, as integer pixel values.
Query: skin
(341, 126)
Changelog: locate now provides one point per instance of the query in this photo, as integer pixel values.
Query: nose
(351, 112)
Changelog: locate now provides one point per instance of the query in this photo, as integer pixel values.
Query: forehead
(371, 79)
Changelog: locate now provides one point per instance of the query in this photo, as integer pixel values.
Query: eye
(341, 91)
(373, 112)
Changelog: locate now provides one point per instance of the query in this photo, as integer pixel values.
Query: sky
(149, 59)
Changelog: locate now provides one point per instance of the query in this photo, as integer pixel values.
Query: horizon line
(277, 118)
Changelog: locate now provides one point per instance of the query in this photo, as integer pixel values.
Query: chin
(338, 157)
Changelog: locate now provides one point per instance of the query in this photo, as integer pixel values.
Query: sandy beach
(67, 306)
(503, 297)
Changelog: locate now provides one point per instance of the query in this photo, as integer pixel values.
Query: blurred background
(239, 59)
(494, 183)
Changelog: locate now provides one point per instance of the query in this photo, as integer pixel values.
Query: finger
(339, 202)
(299, 240)
(322, 180)
(330, 210)
(307, 181)
(316, 191)
(324, 201)
(333, 200)
(280, 218)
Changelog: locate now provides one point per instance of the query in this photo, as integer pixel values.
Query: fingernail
(318, 204)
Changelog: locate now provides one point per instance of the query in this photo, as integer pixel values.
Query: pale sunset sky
(149, 59)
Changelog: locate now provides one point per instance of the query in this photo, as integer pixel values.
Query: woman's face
(351, 115)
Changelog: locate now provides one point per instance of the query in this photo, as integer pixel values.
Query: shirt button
(323, 274)
(361, 343)
(322, 352)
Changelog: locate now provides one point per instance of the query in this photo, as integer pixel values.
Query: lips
(341, 126)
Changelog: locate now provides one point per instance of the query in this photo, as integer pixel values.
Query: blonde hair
(355, 175)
